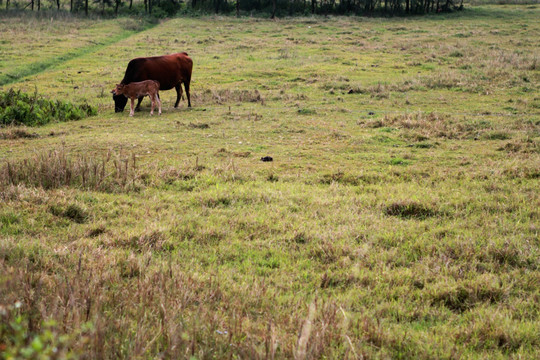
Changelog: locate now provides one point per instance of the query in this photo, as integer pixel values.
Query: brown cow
(170, 70)
(136, 90)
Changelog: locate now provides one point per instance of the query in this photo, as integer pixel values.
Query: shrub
(18, 108)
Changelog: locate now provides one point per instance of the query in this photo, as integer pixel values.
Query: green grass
(55, 41)
(399, 216)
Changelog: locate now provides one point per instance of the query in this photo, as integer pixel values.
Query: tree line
(273, 8)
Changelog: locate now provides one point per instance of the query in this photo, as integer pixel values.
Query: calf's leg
(131, 112)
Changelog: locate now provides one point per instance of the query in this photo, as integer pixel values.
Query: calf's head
(120, 100)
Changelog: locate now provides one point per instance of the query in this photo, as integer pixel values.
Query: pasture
(399, 217)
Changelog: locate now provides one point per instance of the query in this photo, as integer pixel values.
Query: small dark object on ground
(371, 113)
(267, 158)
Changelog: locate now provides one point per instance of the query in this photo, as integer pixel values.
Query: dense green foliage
(164, 8)
(19, 108)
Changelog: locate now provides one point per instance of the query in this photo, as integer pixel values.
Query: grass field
(399, 217)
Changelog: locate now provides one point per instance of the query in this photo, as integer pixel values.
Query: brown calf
(136, 90)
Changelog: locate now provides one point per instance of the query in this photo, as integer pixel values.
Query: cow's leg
(186, 86)
(131, 112)
(138, 108)
(178, 88)
(159, 103)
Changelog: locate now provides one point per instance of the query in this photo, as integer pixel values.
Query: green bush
(18, 108)
(169, 8)
(17, 341)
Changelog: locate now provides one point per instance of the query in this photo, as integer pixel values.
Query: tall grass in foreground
(108, 172)
(203, 328)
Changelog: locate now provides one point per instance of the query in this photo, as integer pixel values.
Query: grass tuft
(410, 210)
(72, 212)
(96, 231)
(17, 133)
(223, 96)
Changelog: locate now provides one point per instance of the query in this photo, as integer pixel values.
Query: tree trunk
(237, 8)
(313, 6)
(273, 9)
(86, 7)
(32, 7)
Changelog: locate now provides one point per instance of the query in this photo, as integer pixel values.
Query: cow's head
(120, 100)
